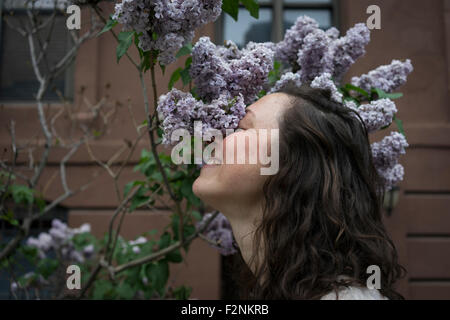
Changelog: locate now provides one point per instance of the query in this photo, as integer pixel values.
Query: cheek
(240, 172)
(233, 180)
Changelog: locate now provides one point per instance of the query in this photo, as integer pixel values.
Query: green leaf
(146, 61)
(361, 91)
(164, 241)
(46, 267)
(103, 289)
(9, 217)
(163, 68)
(125, 291)
(30, 253)
(139, 199)
(174, 256)
(158, 274)
(383, 95)
(231, 7)
(400, 126)
(188, 62)
(185, 76)
(111, 23)
(175, 77)
(125, 40)
(182, 292)
(130, 185)
(275, 73)
(393, 96)
(252, 6)
(22, 194)
(185, 50)
(196, 215)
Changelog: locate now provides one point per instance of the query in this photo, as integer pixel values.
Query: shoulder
(355, 293)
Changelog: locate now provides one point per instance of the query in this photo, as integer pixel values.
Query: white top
(355, 293)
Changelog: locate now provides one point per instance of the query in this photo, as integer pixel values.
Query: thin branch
(165, 251)
(63, 165)
(102, 18)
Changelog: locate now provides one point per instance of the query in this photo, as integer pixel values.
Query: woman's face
(241, 183)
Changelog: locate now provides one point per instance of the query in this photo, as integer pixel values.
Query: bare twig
(161, 253)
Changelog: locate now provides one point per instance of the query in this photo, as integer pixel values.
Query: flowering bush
(163, 25)
(306, 55)
(309, 56)
(53, 251)
(222, 80)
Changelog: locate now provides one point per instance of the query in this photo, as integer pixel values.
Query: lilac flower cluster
(287, 79)
(27, 279)
(227, 79)
(346, 50)
(312, 51)
(179, 110)
(58, 239)
(387, 77)
(216, 70)
(219, 231)
(325, 82)
(385, 156)
(171, 21)
(313, 56)
(377, 114)
(287, 50)
(135, 244)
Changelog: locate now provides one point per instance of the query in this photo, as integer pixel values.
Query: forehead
(266, 112)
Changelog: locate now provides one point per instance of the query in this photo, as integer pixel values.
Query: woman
(311, 230)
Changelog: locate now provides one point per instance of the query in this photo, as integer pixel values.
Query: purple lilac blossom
(392, 176)
(351, 104)
(58, 238)
(332, 33)
(216, 71)
(387, 77)
(250, 72)
(176, 110)
(386, 152)
(172, 21)
(286, 79)
(347, 49)
(288, 48)
(229, 50)
(209, 70)
(377, 114)
(219, 231)
(313, 57)
(385, 156)
(325, 82)
(179, 110)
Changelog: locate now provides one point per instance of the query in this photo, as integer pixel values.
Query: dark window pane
(17, 78)
(248, 28)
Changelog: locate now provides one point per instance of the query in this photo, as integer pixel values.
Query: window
(17, 79)
(275, 17)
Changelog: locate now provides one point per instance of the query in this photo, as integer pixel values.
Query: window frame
(278, 7)
(69, 74)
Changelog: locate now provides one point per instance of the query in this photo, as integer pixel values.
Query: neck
(244, 220)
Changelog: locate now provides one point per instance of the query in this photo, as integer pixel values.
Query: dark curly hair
(322, 214)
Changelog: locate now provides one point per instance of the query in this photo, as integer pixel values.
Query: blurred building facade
(419, 223)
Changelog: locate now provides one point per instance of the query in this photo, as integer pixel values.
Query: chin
(204, 190)
(196, 188)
